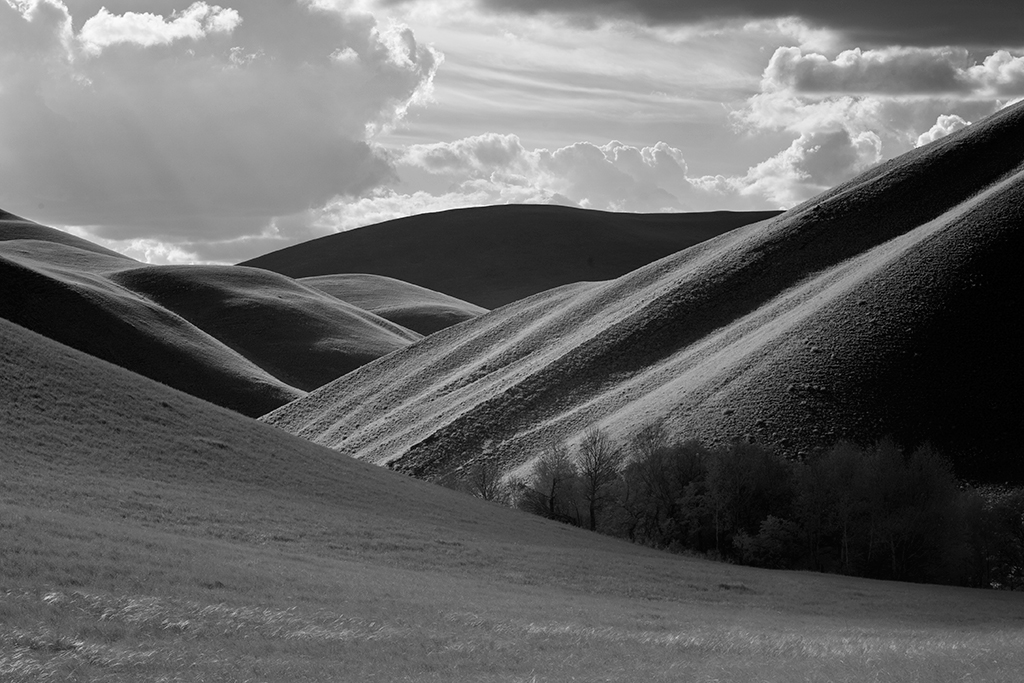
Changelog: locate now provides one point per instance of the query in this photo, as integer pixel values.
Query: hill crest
(494, 255)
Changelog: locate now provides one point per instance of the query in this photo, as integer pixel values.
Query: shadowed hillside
(891, 304)
(242, 338)
(297, 333)
(494, 255)
(411, 306)
(84, 309)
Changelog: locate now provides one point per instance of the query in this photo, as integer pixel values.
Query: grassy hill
(494, 255)
(65, 293)
(416, 308)
(243, 338)
(297, 333)
(150, 536)
(891, 304)
(16, 228)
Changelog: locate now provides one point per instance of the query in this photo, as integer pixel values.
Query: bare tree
(598, 462)
(484, 480)
(554, 485)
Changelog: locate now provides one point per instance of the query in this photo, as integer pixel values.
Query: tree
(659, 479)
(916, 524)
(830, 506)
(484, 480)
(553, 487)
(598, 462)
(745, 485)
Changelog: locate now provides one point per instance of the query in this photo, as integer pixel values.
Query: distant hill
(16, 228)
(889, 305)
(242, 338)
(416, 308)
(297, 333)
(494, 255)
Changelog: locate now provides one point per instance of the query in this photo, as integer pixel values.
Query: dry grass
(146, 605)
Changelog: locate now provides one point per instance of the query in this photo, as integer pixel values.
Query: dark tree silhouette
(598, 462)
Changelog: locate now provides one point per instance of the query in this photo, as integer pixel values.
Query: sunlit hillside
(889, 305)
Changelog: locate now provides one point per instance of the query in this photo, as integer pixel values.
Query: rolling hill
(243, 338)
(889, 305)
(148, 535)
(297, 333)
(17, 228)
(411, 306)
(494, 255)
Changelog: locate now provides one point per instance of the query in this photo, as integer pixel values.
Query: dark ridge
(493, 255)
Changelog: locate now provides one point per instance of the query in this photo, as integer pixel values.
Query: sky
(192, 132)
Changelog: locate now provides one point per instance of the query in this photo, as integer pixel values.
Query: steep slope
(298, 334)
(891, 304)
(494, 255)
(416, 308)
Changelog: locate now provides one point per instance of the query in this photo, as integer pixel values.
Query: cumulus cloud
(1001, 73)
(944, 125)
(498, 169)
(147, 29)
(813, 163)
(197, 126)
(896, 71)
(876, 22)
(850, 111)
(614, 176)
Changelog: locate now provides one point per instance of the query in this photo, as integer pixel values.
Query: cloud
(200, 126)
(614, 176)
(944, 125)
(896, 71)
(146, 29)
(1001, 73)
(385, 205)
(985, 23)
(862, 106)
(813, 163)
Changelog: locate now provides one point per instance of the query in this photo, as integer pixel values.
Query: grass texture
(149, 536)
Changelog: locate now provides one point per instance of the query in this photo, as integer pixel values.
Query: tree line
(876, 511)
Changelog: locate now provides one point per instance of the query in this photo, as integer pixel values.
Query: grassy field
(141, 580)
(148, 536)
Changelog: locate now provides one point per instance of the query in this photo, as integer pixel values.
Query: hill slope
(416, 308)
(297, 333)
(148, 535)
(84, 309)
(891, 304)
(494, 255)
(16, 228)
(242, 338)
